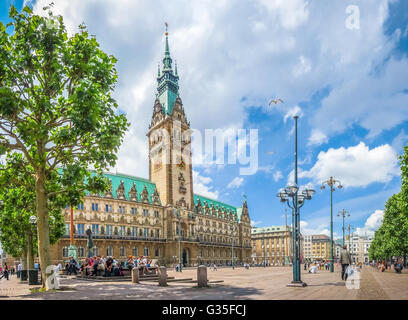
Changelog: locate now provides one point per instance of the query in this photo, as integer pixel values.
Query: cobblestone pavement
(394, 286)
(255, 283)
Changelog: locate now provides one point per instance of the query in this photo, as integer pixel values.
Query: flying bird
(275, 101)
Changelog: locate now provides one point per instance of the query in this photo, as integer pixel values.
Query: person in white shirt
(19, 268)
(313, 269)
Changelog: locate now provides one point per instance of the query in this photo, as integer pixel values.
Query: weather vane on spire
(167, 26)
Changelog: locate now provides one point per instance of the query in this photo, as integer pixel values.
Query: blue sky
(350, 87)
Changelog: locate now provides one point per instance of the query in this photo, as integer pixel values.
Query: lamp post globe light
(33, 220)
(295, 199)
(332, 183)
(343, 213)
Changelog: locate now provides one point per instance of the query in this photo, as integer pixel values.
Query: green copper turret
(167, 82)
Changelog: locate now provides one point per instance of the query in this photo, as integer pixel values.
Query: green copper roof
(128, 182)
(239, 213)
(167, 82)
(167, 99)
(217, 204)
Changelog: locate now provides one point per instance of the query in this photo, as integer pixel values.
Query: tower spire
(167, 80)
(167, 59)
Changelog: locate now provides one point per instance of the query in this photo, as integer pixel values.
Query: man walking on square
(345, 260)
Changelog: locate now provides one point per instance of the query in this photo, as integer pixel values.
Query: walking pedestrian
(19, 268)
(345, 260)
(5, 272)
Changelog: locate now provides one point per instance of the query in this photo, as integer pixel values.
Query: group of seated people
(98, 266)
(142, 263)
(398, 265)
(109, 266)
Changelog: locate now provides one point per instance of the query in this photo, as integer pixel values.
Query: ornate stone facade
(139, 217)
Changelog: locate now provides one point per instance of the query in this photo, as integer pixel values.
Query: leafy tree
(57, 110)
(404, 180)
(17, 196)
(391, 238)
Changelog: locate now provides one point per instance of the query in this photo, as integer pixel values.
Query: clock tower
(169, 135)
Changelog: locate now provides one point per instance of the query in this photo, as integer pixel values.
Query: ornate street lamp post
(349, 229)
(343, 213)
(297, 201)
(332, 184)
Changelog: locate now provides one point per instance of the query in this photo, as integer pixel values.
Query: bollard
(135, 275)
(163, 277)
(202, 276)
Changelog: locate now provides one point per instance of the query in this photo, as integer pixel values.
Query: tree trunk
(23, 259)
(30, 253)
(43, 230)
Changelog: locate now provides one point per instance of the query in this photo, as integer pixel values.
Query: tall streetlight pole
(349, 228)
(292, 191)
(343, 213)
(332, 184)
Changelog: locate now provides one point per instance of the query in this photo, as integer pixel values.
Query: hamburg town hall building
(161, 216)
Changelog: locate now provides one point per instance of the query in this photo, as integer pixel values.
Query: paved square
(255, 283)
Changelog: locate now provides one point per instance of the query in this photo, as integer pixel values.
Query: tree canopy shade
(57, 110)
(391, 239)
(17, 196)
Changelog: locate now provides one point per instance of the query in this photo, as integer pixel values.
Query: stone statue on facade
(89, 242)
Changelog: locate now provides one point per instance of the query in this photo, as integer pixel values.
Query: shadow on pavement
(108, 291)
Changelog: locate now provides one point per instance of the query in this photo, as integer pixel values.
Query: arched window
(109, 251)
(65, 251)
(146, 251)
(156, 252)
(122, 252)
(95, 251)
(81, 252)
(135, 252)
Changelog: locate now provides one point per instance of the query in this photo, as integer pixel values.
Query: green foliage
(17, 194)
(57, 110)
(404, 180)
(56, 104)
(391, 239)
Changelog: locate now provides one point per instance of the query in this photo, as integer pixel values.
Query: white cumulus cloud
(355, 166)
(201, 186)
(375, 220)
